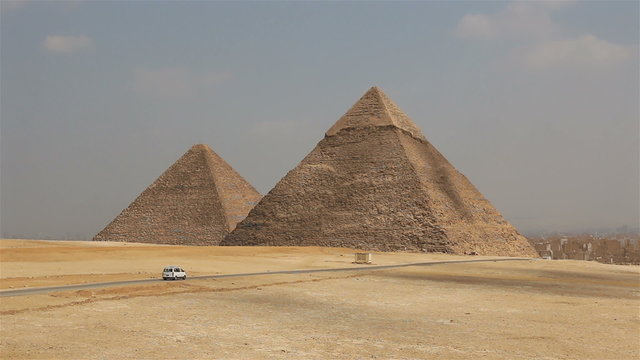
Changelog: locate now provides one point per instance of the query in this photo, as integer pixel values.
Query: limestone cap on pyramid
(375, 109)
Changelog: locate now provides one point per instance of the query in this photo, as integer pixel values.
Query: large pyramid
(197, 201)
(375, 183)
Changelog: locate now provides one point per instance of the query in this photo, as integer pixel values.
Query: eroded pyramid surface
(375, 183)
(196, 201)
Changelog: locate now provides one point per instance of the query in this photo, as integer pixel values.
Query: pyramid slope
(376, 186)
(471, 222)
(236, 195)
(196, 201)
(347, 198)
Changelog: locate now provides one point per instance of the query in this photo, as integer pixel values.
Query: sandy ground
(494, 310)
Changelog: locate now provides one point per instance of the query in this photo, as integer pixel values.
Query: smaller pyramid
(196, 201)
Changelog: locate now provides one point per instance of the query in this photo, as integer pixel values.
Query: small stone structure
(375, 183)
(362, 258)
(197, 201)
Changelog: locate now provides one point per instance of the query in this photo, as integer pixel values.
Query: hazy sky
(537, 103)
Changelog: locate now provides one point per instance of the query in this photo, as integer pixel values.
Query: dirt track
(537, 309)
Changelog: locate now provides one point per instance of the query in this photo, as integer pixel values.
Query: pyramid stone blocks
(197, 201)
(375, 183)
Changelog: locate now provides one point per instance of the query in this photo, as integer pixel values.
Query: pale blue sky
(535, 102)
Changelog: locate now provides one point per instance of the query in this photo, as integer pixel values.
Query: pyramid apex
(373, 109)
(200, 147)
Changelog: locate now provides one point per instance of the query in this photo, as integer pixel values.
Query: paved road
(42, 290)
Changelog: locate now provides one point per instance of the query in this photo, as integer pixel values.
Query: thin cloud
(541, 43)
(476, 26)
(518, 20)
(169, 82)
(586, 50)
(556, 4)
(266, 129)
(8, 5)
(174, 82)
(67, 44)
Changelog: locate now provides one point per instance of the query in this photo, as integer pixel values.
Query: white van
(173, 273)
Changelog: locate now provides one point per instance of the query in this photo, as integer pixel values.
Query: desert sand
(532, 309)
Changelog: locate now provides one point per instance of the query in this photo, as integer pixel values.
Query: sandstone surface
(505, 310)
(197, 201)
(375, 183)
